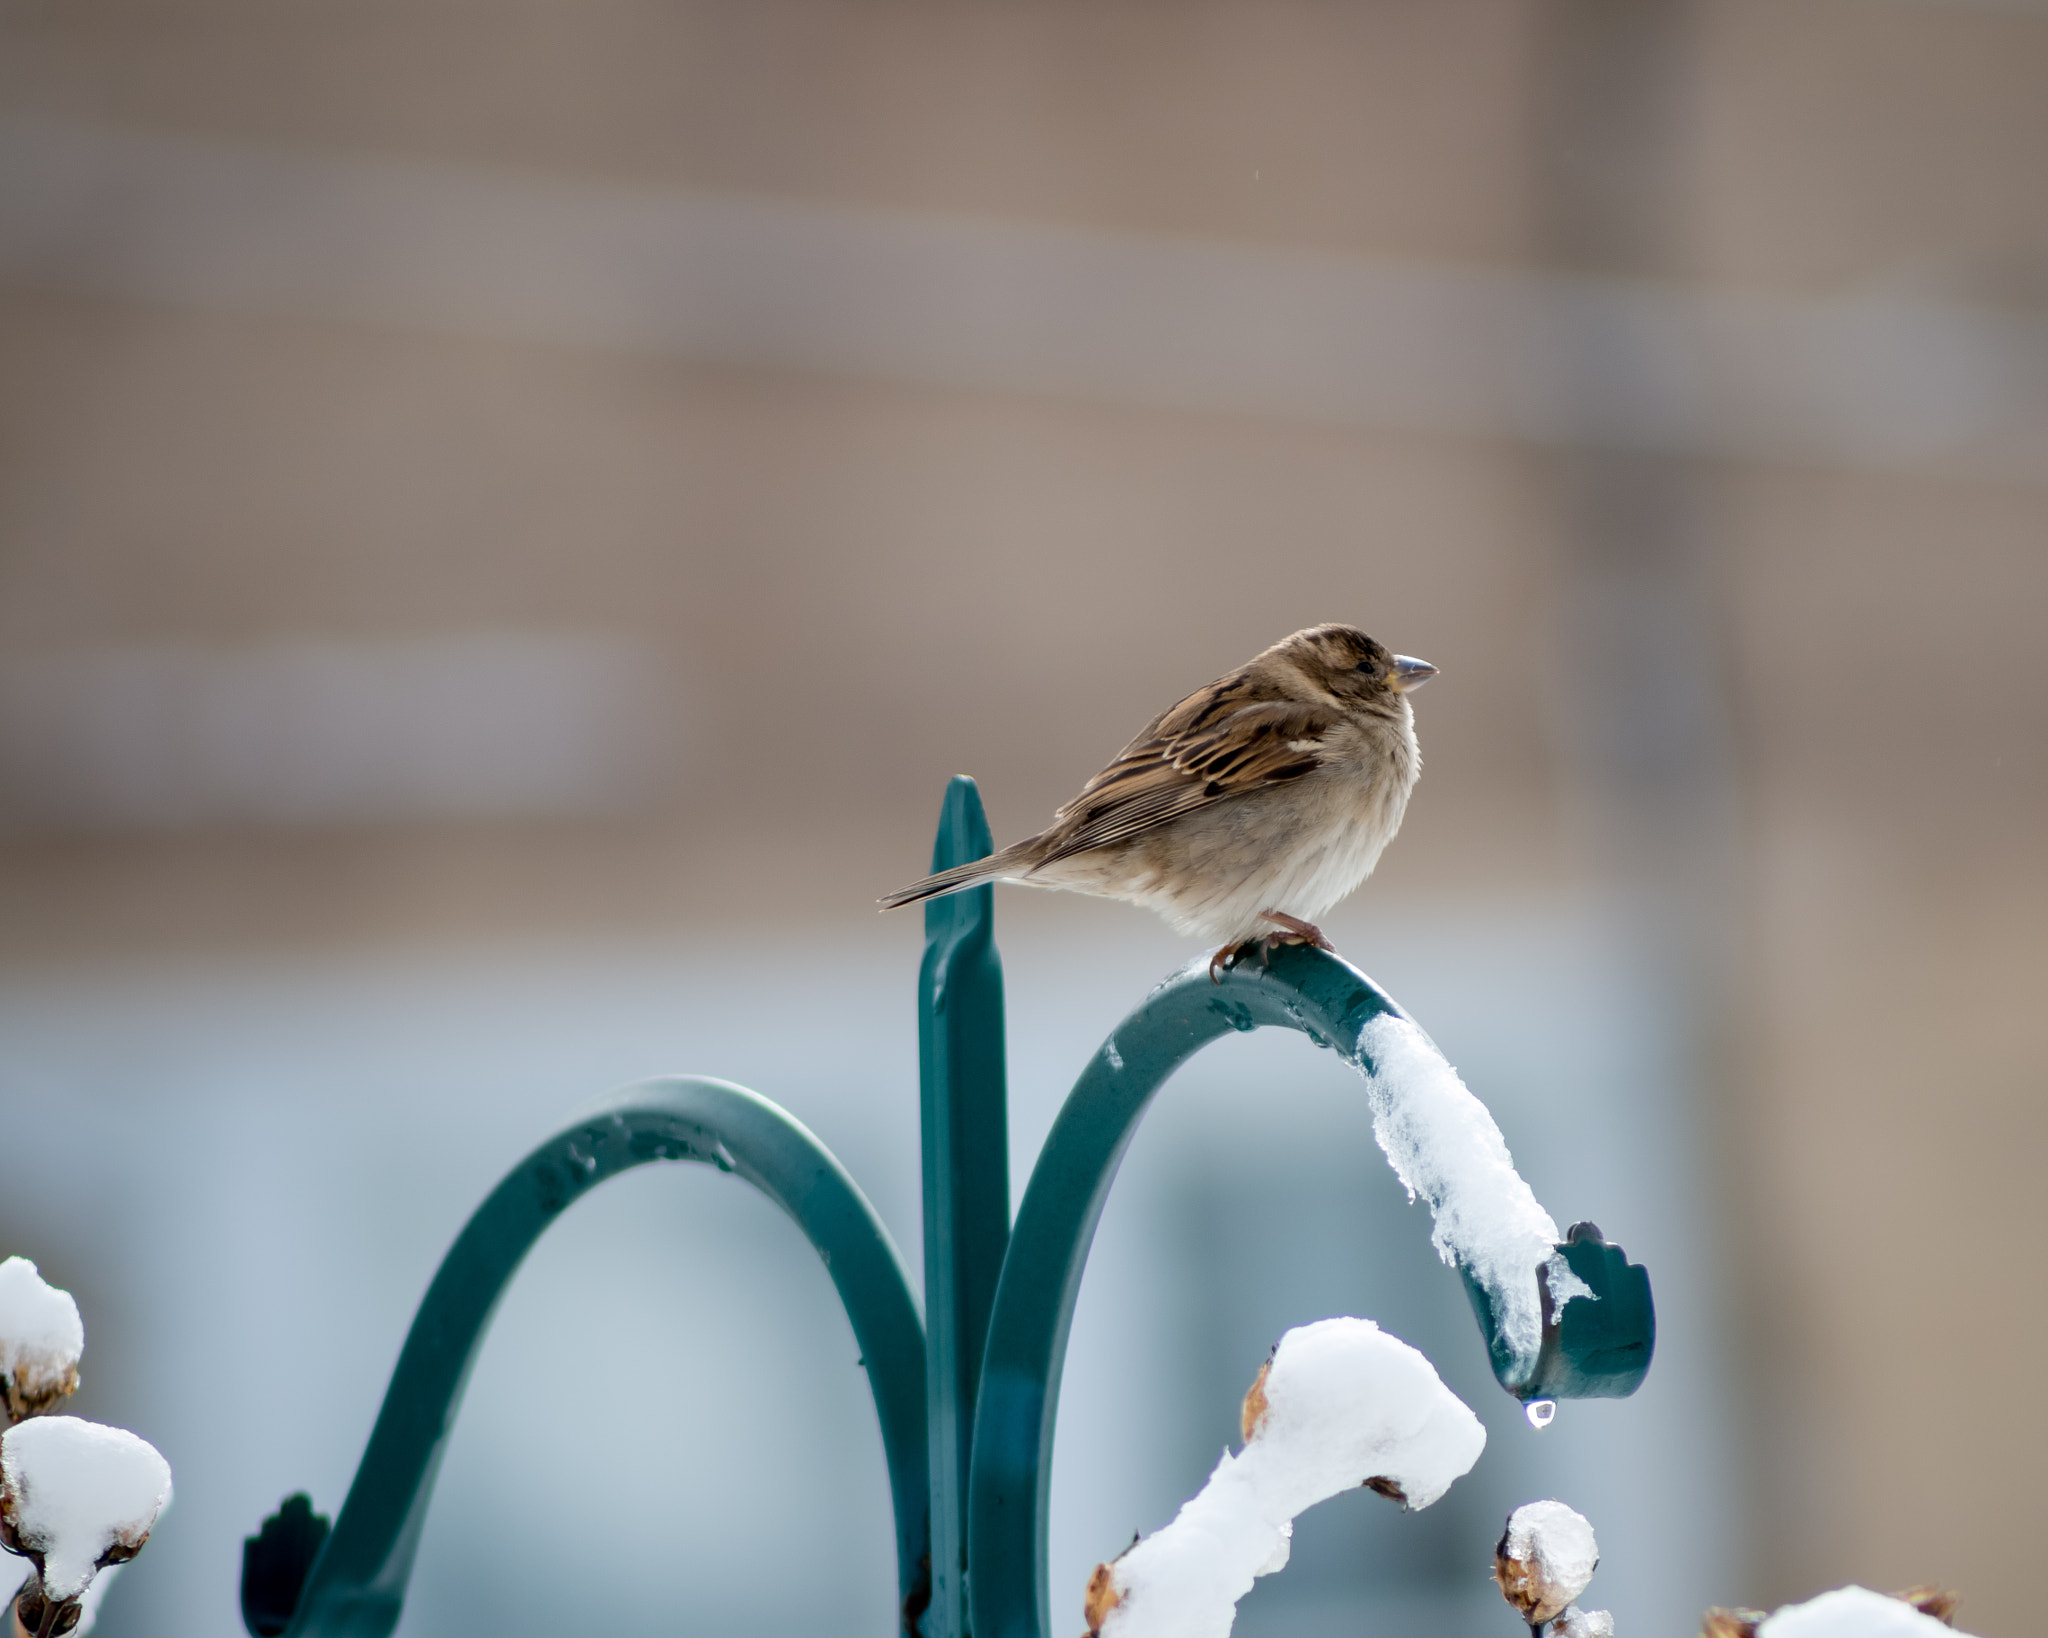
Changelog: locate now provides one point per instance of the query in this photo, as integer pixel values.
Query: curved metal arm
(1009, 1489)
(357, 1585)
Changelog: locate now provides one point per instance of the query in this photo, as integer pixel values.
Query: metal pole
(966, 1180)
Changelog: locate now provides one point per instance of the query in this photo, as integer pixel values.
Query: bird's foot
(1294, 931)
(1229, 956)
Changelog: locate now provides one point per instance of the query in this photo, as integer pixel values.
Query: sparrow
(1246, 811)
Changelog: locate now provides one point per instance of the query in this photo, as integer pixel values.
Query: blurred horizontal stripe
(486, 725)
(1864, 378)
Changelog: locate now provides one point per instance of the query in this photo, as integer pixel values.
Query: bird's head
(1348, 663)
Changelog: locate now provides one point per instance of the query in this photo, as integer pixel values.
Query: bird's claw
(1228, 957)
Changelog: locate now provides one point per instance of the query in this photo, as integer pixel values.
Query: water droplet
(1539, 1412)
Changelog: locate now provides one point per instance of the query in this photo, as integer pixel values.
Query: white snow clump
(1851, 1612)
(89, 1601)
(1340, 1404)
(1578, 1623)
(41, 1339)
(1545, 1559)
(1445, 1147)
(73, 1492)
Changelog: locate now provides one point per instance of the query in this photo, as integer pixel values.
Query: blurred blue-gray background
(509, 516)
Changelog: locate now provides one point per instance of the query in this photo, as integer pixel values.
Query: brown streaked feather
(1011, 859)
(1222, 741)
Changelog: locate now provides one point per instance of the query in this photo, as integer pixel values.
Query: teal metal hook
(1590, 1349)
(356, 1585)
(967, 1399)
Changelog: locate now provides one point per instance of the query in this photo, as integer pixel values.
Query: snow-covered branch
(1446, 1147)
(1340, 1405)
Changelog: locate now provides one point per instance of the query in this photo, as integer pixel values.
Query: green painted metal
(966, 1179)
(1592, 1350)
(357, 1583)
(967, 1411)
(1304, 989)
(275, 1564)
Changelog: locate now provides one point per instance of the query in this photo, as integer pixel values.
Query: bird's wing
(1214, 744)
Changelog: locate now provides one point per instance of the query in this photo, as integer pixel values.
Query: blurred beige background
(478, 475)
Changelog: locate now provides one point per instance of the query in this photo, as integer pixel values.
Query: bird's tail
(1009, 862)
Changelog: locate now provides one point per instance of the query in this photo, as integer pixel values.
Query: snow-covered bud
(1857, 1612)
(75, 1497)
(41, 1338)
(1340, 1405)
(1578, 1623)
(1544, 1561)
(1847, 1612)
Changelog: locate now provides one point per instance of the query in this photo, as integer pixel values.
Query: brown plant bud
(1724, 1623)
(1253, 1416)
(1102, 1598)
(1929, 1599)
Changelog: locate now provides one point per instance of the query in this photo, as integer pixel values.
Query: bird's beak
(1410, 674)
